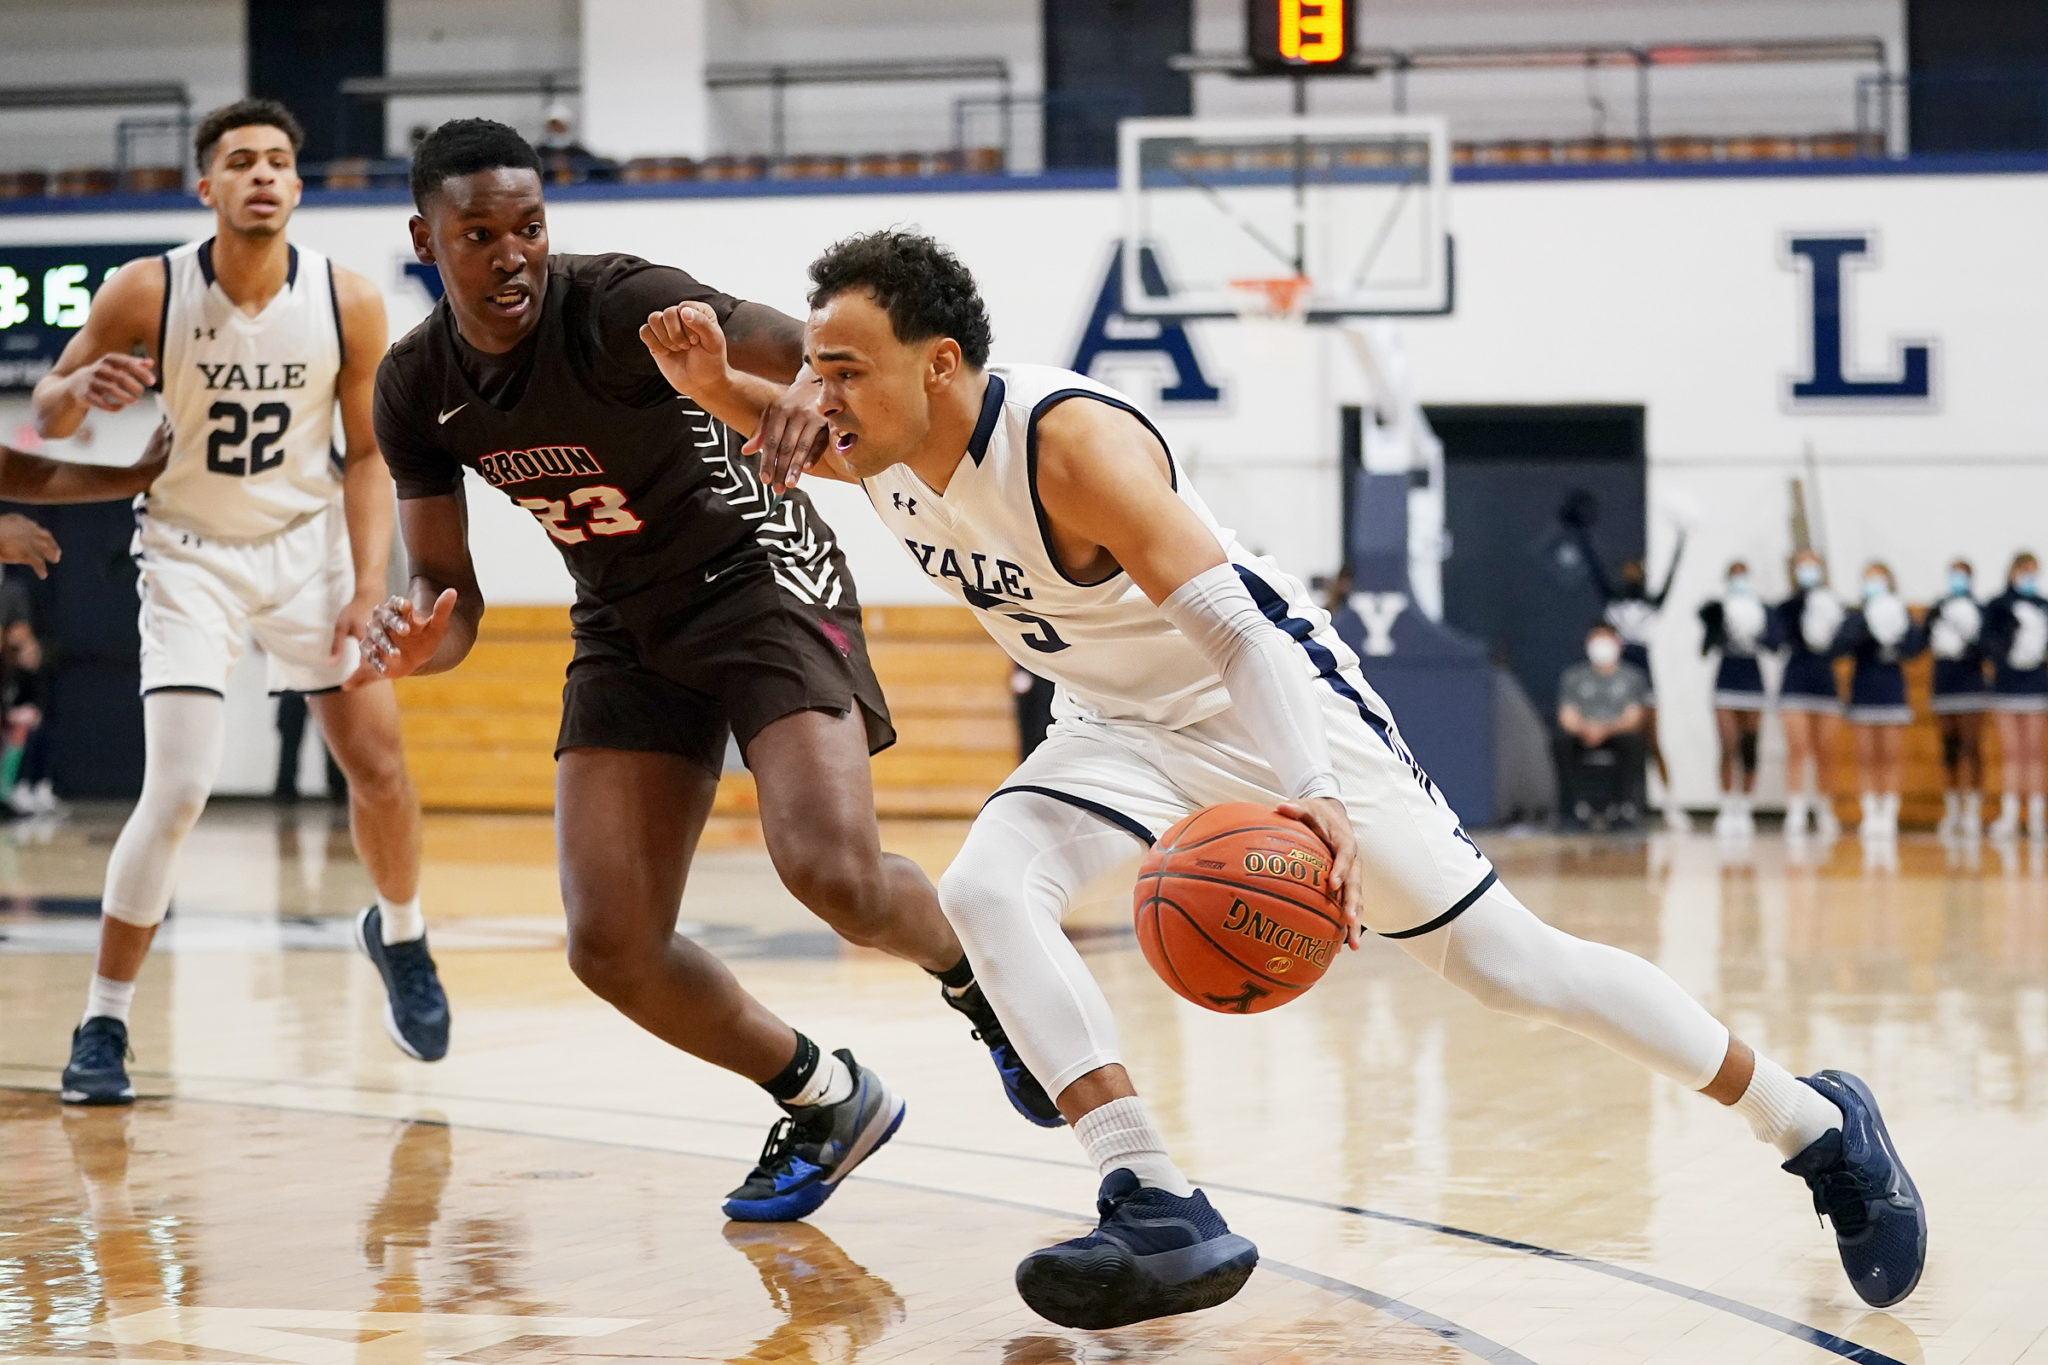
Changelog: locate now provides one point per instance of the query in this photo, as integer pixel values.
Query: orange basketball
(1234, 910)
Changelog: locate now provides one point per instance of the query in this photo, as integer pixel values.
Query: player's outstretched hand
(689, 347)
(398, 639)
(792, 435)
(25, 542)
(112, 382)
(1332, 823)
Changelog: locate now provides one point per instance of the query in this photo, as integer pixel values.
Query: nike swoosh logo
(451, 412)
(714, 577)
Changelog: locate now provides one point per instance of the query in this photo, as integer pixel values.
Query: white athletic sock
(2008, 821)
(2037, 815)
(400, 921)
(1784, 1111)
(1891, 812)
(829, 1084)
(1120, 1135)
(106, 999)
(1973, 812)
(1873, 812)
(1796, 807)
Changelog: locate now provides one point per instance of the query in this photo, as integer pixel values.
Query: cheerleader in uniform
(1955, 628)
(2016, 640)
(1809, 704)
(1879, 635)
(1739, 627)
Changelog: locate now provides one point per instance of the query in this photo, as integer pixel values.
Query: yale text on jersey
(259, 377)
(985, 580)
(508, 467)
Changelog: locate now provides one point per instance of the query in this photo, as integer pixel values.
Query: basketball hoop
(1280, 298)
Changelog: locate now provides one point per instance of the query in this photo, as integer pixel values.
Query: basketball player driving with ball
(1192, 673)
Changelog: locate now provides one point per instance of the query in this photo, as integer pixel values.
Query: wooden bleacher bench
(482, 736)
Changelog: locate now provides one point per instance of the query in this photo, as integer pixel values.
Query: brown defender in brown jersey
(707, 604)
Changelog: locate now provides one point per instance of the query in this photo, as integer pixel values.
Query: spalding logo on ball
(1234, 910)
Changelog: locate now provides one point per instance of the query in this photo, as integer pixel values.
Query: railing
(776, 77)
(1399, 65)
(1959, 111)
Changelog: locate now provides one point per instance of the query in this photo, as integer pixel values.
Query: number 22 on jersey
(609, 515)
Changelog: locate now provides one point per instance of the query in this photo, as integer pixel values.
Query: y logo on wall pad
(1909, 377)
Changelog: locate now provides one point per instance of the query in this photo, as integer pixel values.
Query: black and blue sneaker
(96, 1073)
(1862, 1187)
(1153, 1254)
(415, 1006)
(817, 1146)
(1025, 1094)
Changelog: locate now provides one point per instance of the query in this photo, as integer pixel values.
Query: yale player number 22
(233, 425)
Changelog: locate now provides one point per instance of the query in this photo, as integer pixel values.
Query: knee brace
(1746, 747)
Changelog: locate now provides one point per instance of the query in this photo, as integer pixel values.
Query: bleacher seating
(482, 736)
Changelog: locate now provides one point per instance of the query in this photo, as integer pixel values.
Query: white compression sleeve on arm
(1261, 669)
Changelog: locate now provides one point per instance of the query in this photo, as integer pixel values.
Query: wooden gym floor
(1426, 1182)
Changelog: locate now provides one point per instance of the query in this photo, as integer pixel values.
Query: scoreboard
(45, 292)
(1299, 37)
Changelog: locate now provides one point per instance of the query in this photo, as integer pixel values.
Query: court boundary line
(1466, 1339)
(1762, 1317)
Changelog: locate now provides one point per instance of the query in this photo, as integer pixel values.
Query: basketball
(1234, 911)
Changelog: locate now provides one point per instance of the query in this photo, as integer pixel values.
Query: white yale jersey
(1111, 653)
(250, 400)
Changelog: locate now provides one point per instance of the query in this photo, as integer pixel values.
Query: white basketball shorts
(203, 599)
(1422, 870)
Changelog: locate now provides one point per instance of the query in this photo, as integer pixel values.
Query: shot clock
(1299, 36)
(45, 292)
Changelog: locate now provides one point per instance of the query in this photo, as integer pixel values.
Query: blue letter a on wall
(1111, 331)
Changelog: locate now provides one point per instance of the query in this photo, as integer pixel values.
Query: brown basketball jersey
(646, 496)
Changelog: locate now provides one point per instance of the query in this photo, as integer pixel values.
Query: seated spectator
(24, 789)
(565, 158)
(1601, 717)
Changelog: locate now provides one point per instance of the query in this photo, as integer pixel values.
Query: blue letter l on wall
(1827, 379)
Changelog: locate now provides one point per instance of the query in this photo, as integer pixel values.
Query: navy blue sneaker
(1153, 1254)
(96, 1074)
(415, 1006)
(808, 1153)
(1025, 1094)
(1862, 1187)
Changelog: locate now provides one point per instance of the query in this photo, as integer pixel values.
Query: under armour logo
(904, 504)
(206, 332)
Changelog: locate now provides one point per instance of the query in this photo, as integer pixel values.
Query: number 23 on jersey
(607, 514)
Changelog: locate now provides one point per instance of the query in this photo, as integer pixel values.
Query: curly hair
(250, 113)
(465, 146)
(921, 286)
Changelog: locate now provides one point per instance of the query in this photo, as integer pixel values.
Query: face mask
(1959, 582)
(1807, 575)
(2028, 583)
(1604, 653)
(1738, 584)
(1874, 587)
